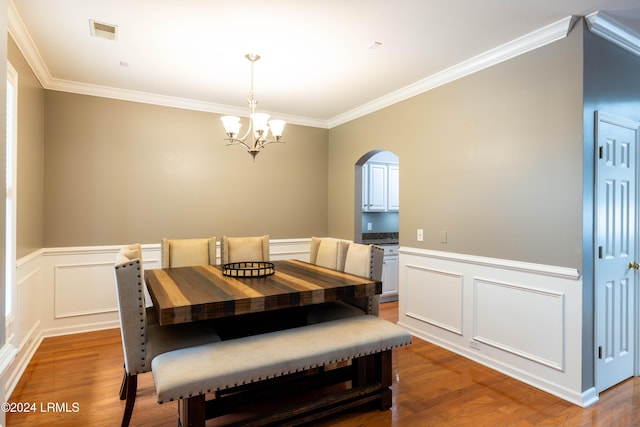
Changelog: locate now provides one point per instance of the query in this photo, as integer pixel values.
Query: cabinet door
(390, 275)
(377, 187)
(365, 187)
(394, 188)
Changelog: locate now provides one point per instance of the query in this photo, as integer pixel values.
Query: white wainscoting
(445, 311)
(79, 290)
(522, 319)
(519, 318)
(503, 310)
(70, 290)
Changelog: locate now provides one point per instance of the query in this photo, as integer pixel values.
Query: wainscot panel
(503, 310)
(522, 319)
(435, 297)
(26, 328)
(79, 290)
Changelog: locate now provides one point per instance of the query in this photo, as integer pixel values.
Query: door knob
(634, 266)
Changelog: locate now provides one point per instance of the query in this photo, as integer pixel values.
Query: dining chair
(328, 252)
(239, 249)
(187, 252)
(142, 337)
(361, 260)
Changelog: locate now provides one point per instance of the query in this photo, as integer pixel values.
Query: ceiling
(318, 67)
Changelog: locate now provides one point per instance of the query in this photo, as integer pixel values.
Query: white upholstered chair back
(365, 260)
(239, 249)
(142, 337)
(361, 260)
(328, 252)
(187, 252)
(132, 310)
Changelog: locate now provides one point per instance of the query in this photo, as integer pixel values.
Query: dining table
(204, 292)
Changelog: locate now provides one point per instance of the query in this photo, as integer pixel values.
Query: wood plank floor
(432, 387)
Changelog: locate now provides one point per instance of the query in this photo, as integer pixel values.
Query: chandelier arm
(249, 130)
(271, 141)
(236, 142)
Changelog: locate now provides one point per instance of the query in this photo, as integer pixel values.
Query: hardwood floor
(74, 380)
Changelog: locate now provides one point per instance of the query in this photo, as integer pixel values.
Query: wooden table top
(188, 294)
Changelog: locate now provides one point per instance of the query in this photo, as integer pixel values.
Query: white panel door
(615, 275)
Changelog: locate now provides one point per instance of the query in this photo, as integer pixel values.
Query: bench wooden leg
(191, 411)
(386, 379)
(375, 368)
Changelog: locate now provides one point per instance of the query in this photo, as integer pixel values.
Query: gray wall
(30, 173)
(118, 172)
(488, 158)
(494, 159)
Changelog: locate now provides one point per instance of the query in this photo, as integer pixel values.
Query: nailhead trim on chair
(141, 307)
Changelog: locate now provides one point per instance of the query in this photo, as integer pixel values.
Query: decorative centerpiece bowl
(248, 269)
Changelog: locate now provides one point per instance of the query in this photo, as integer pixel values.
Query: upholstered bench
(189, 374)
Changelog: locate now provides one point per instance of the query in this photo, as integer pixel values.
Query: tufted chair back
(239, 249)
(188, 252)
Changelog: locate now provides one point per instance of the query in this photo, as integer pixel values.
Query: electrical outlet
(474, 345)
(369, 226)
(420, 235)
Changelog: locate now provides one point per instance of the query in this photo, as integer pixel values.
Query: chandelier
(259, 123)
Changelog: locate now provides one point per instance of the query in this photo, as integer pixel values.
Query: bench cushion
(206, 368)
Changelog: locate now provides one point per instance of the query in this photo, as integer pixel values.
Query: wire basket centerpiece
(248, 269)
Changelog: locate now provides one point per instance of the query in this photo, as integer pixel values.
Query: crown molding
(608, 28)
(20, 34)
(526, 43)
(170, 101)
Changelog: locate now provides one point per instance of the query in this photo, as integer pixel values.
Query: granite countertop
(380, 238)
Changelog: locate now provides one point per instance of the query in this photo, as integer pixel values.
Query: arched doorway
(377, 211)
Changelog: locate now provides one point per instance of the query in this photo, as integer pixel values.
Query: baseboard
(81, 328)
(582, 400)
(27, 349)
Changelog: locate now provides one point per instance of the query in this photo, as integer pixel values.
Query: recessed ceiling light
(103, 30)
(375, 45)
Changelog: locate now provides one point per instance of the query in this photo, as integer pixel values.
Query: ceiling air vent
(105, 31)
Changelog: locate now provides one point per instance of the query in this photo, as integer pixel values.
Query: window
(11, 163)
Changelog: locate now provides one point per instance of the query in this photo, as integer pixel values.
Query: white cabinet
(377, 187)
(365, 187)
(393, 187)
(380, 187)
(390, 274)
